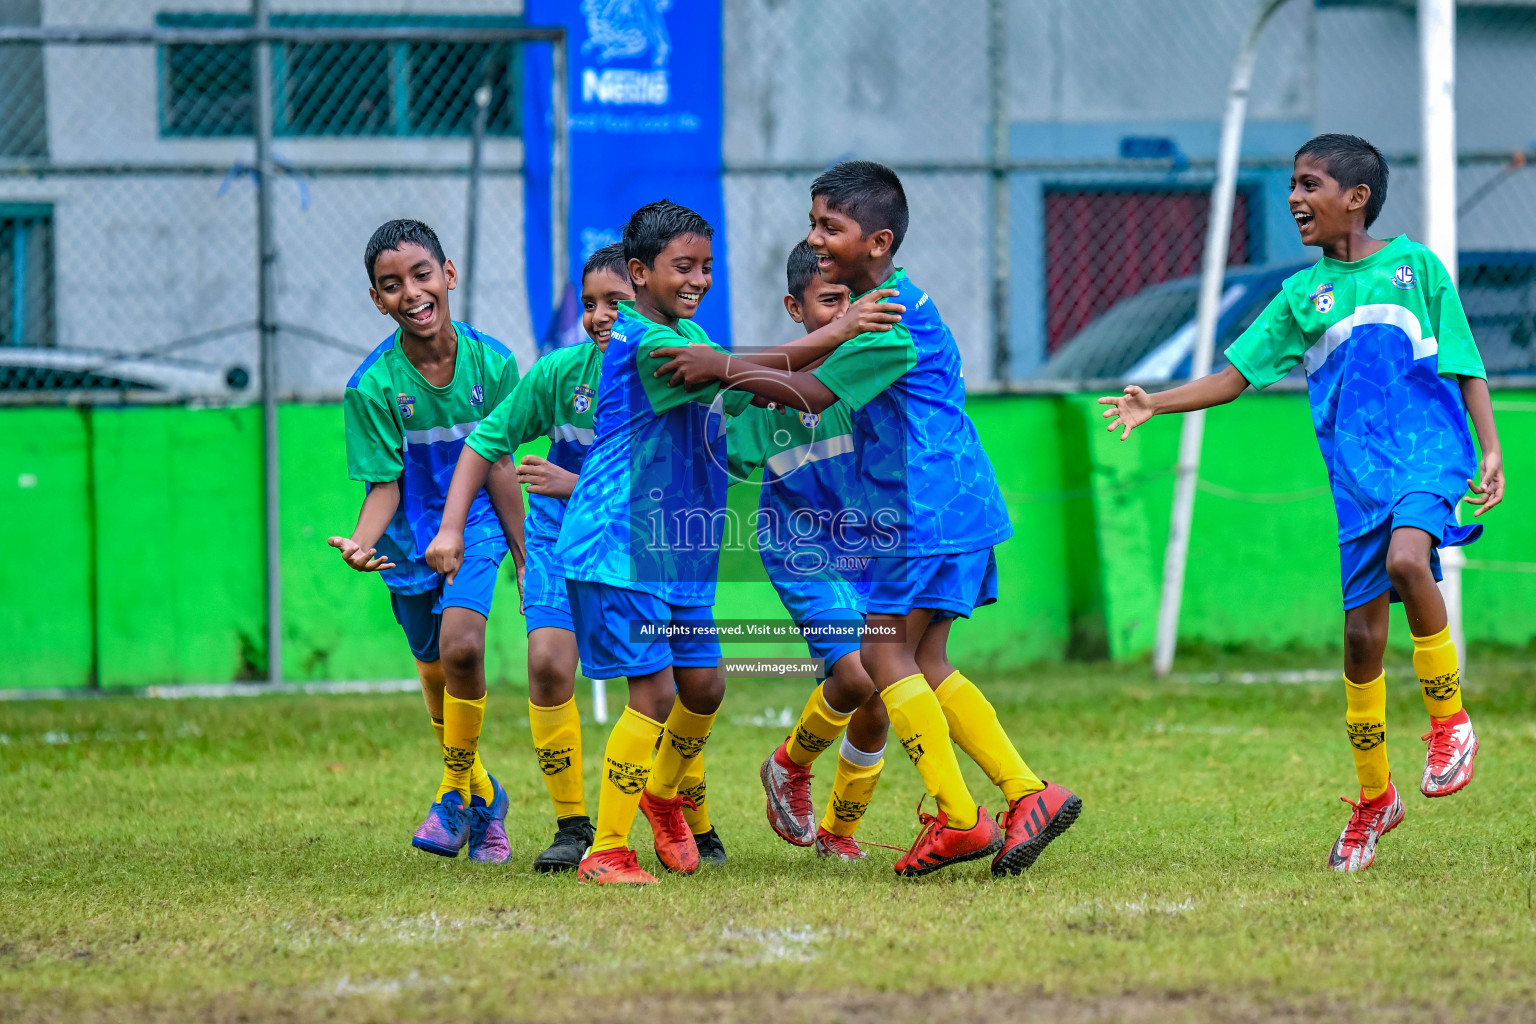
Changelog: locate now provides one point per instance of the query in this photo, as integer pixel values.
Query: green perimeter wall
(135, 536)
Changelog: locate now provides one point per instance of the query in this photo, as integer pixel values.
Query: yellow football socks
(1366, 718)
(461, 741)
(696, 804)
(1434, 658)
(626, 767)
(819, 726)
(918, 722)
(432, 688)
(557, 744)
(852, 789)
(681, 745)
(974, 727)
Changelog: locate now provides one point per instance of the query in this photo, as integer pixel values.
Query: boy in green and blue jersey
(1392, 376)
(408, 408)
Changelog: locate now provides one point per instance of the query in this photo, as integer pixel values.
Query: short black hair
(868, 192)
(392, 234)
(1352, 161)
(610, 258)
(802, 268)
(652, 227)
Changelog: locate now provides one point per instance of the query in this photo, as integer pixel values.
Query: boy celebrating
(808, 469)
(932, 512)
(408, 408)
(1392, 374)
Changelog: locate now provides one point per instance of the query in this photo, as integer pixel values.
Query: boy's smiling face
(823, 302)
(1325, 211)
(846, 254)
(412, 288)
(675, 286)
(601, 292)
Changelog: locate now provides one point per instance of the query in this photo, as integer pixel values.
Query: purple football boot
(446, 828)
(488, 828)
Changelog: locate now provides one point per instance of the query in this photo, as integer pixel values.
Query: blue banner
(646, 107)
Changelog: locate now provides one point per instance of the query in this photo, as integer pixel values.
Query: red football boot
(788, 787)
(1030, 823)
(675, 845)
(613, 867)
(1448, 762)
(939, 846)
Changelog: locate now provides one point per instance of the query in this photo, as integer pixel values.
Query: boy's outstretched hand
(689, 366)
(360, 558)
(1488, 491)
(446, 554)
(1130, 410)
(541, 476)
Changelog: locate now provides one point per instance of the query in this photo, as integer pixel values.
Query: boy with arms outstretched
(1392, 374)
(808, 470)
(408, 408)
(932, 511)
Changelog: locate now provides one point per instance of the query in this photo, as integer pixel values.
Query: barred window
(334, 89)
(26, 275)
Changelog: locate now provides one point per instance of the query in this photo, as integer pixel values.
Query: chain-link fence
(128, 212)
(1057, 155)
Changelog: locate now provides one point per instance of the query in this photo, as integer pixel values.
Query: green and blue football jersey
(809, 470)
(558, 398)
(1381, 340)
(927, 486)
(649, 510)
(400, 427)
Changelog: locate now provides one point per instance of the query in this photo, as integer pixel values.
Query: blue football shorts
(1363, 559)
(952, 585)
(545, 599)
(421, 615)
(817, 607)
(611, 631)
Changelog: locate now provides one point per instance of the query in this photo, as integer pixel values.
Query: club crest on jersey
(1403, 278)
(477, 395)
(582, 397)
(1322, 299)
(810, 419)
(407, 404)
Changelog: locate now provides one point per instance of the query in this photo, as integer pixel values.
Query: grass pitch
(248, 860)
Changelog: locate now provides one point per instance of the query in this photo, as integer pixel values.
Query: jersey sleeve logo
(582, 397)
(407, 404)
(1322, 299)
(1403, 278)
(477, 395)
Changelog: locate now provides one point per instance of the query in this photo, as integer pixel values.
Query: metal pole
(1212, 271)
(997, 61)
(600, 701)
(559, 172)
(1437, 70)
(266, 257)
(472, 215)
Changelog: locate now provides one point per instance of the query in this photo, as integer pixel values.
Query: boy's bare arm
(372, 520)
(446, 552)
(501, 486)
(1488, 489)
(798, 390)
(1136, 406)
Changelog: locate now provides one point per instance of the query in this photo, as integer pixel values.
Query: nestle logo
(621, 86)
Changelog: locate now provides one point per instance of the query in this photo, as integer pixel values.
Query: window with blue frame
(340, 89)
(26, 275)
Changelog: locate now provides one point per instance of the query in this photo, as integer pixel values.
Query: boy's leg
(916, 716)
(553, 717)
(1365, 691)
(1448, 763)
(859, 764)
(972, 720)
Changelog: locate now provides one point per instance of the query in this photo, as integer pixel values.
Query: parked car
(33, 370)
(1149, 338)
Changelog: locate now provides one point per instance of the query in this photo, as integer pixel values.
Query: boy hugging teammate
(408, 408)
(928, 485)
(1392, 375)
(808, 470)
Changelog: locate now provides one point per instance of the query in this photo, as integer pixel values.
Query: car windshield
(1117, 340)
